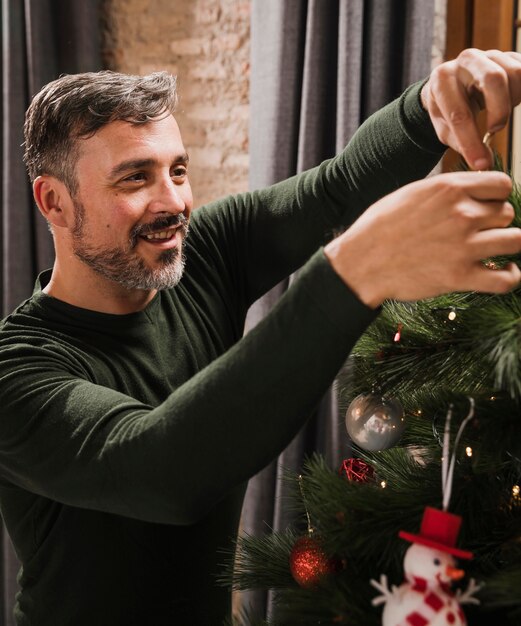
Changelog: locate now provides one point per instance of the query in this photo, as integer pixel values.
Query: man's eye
(137, 177)
(179, 172)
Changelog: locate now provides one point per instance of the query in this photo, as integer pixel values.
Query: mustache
(161, 223)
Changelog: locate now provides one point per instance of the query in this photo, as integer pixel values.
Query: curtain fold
(41, 39)
(318, 70)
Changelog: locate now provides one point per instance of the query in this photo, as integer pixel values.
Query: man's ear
(53, 200)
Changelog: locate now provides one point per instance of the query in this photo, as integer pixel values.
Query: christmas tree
(456, 355)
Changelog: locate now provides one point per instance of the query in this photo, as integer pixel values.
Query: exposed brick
(238, 162)
(208, 113)
(194, 136)
(205, 70)
(242, 112)
(206, 157)
(153, 66)
(190, 47)
(206, 43)
(231, 41)
(207, 12)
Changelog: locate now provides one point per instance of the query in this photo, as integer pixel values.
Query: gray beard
(130, 271)
(126, 268)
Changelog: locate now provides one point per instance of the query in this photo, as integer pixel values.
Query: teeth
(164, 234)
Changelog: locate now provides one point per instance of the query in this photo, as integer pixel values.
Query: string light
(468, 451)
(447, 313)
(516, 491)
(383, 484)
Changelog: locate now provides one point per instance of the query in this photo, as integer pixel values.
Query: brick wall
(206, 43)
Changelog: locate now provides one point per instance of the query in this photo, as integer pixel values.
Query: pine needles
(429, 355)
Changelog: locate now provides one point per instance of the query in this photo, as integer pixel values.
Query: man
(133, 411)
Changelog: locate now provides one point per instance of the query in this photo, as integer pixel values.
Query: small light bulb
(383, 484)
(452, 315)
(516, 491)
(468, 451)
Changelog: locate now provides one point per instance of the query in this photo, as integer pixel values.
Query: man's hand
(429, 238)
(457, 89)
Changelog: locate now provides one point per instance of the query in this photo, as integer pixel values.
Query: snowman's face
(428, 563)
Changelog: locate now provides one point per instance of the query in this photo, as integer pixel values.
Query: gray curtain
(319, 68)
(41, 39)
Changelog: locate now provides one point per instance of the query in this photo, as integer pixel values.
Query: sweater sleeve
(86, 445)
(273, 231)
(67, 439)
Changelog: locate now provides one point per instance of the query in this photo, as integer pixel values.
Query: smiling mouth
(161, 231)
(161, 235)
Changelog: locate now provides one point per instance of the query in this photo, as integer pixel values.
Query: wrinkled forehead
(159, 140)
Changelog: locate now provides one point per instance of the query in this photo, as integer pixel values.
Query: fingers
(478, 185)
(454, 97)
(487, 216)
(511, 62)
(489, 72)
(486, 280)
(432, 238)
(471, 201)
(476, 79)
(484, 213)
(495, 242)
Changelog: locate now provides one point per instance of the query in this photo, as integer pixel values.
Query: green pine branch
(247, 567)
(437, 362)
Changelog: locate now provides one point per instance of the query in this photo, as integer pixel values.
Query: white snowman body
(425, 599)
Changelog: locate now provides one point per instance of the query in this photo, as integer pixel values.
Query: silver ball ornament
(375, 422)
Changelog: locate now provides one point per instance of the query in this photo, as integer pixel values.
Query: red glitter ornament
(356, 470)
(308, 562)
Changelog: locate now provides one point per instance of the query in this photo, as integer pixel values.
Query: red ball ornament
(356, 470)
(308, 562)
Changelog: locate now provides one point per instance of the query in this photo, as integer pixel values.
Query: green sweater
(126, 440)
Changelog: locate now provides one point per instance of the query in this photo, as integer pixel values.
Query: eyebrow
(136, 164)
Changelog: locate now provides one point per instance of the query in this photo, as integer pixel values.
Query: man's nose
(168, 198)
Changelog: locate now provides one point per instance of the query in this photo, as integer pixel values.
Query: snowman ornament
(426, 597)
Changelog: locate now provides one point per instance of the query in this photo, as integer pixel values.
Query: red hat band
(439, 530)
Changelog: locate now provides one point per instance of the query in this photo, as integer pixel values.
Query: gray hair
(75, 106)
